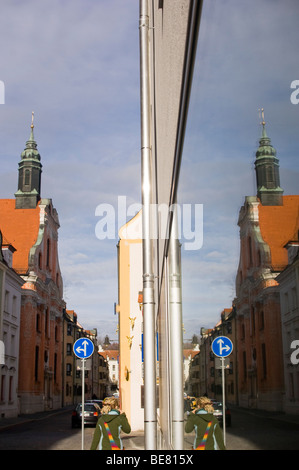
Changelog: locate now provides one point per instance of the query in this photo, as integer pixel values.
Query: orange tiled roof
(110, 353)
(190, 352)
(279, 225)
(20, 228)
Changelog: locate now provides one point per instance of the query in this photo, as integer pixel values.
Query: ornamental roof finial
(262, 116)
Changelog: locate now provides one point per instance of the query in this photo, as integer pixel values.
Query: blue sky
(76, 64)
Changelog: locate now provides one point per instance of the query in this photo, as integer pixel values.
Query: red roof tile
(20, 228)
(279, 225)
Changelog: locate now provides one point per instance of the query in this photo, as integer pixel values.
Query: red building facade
(266, 223)
(31, 225)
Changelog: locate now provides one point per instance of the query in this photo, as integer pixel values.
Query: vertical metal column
(150, 408)
(176, 337)
(223, 399)
(83, 402)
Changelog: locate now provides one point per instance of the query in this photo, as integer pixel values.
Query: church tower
(30, 169)
(267, 172)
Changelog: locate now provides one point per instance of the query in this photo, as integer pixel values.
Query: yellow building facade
(130, 321)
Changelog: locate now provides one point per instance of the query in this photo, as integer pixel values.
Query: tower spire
(267, 170)
(30, 168)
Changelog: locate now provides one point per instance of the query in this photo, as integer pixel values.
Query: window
(2, 396)
(55, 367)
(10, 390)
(252, 321)
(242, 331)
(69, 369)
(38, 322)
(261, 320)
(264, 361)
(36, 363)
(14, 306)
(48, 253)
(270, 176)
(27, 178)
(6, 301)
(47, 322)
(244, 366)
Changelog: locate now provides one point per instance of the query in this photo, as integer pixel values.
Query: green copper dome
(31, 152)
(265, 148)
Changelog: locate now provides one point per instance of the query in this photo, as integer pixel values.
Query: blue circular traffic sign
(222, 346)
(83, 348)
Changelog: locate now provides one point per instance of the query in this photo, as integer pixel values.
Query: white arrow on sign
(79, 349)
(221, 347)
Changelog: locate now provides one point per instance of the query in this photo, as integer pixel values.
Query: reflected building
(267, 221)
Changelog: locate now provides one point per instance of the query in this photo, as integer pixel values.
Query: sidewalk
(133, 441)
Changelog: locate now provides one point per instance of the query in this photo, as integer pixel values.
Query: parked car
(218, 413)
(91, 414)
(96, 402)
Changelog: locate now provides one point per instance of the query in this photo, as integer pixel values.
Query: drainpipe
(150, 408)
(176, 338)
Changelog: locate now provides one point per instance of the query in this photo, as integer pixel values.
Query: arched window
(27, 177)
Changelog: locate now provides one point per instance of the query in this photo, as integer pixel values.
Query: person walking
(208, 434)
(111, 422)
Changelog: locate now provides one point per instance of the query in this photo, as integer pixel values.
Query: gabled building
(267, 222)
(30, 223)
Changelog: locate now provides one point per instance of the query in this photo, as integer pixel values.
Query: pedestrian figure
(208, 434)
(112, 421)
(187, 404)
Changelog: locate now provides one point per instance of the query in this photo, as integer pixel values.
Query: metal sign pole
(83, 399)
(223, 400)
(83, 349)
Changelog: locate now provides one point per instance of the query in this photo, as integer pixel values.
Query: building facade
(210, 373)
(104, 389)
(131, 390)
(10, 311)
(267, 222)
(72, 366)
(289, 300)
(30, 223)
